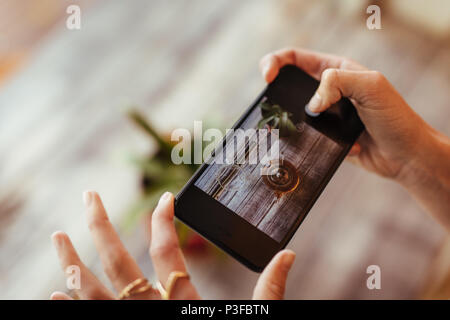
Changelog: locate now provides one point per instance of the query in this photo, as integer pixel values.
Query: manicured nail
(87, 198)
(288, 259)
(310, 113)
(315, 102)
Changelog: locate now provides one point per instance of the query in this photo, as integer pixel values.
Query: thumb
(272, 282)
(380, 107)
(358, 85)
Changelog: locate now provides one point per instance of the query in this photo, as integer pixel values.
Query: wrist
(429, 164)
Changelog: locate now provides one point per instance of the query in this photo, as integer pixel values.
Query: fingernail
(265, 69)
(87, 198)
(315, 102)
(288, 259)
(310, 113)
(166, 196)
(56, 239)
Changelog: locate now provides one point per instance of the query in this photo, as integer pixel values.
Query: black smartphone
(251, 210)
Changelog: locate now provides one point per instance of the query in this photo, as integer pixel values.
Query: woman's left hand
(165, 252)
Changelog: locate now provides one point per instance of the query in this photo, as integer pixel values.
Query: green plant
(160, 174)
(274, 116)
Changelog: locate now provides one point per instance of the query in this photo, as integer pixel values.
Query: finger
(355, 150)
(90, 286)
(60, 296)
(165, 249)
(272, 282)
(119, 265)
(337, 83)
(313, 63)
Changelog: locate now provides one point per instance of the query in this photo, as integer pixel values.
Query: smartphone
(251, 210)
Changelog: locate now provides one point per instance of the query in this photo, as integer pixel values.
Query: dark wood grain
(240, 186)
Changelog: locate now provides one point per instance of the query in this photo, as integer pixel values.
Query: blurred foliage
(160, 174)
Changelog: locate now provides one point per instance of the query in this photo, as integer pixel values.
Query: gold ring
(171, 281)
(130, 289)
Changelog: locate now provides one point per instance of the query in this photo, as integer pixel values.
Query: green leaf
(266, 106)
(142, 123)
(276, 123)
(287, 127)
(291, 127)
(143, 205)
(265, 121)
(277, 108)
(149, 166)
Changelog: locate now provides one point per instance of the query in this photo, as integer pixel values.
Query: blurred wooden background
(62, 131)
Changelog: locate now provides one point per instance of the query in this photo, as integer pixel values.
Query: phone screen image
(271, 194)
(259, 184)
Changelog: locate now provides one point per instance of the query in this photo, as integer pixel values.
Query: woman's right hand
(397, 142)
(392, 127)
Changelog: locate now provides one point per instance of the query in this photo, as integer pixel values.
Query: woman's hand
(392, 127)
(397, 143)
(165, 252)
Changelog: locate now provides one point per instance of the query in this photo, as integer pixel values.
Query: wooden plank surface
(62, 131)
(239, 184)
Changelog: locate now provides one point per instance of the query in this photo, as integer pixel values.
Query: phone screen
(273, 165)
(273, 194)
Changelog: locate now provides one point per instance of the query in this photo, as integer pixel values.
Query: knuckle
(97, 223)
(329, 76)
(329, 86)
(114, 265)
(378, 78)
(290, 52)
(161, 251)
(275, 289)
(287, 54)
